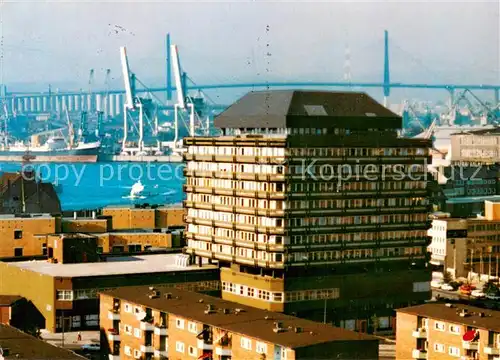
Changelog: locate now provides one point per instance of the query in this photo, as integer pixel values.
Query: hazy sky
(57, 42)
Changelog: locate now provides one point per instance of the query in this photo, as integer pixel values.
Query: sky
(221, 42)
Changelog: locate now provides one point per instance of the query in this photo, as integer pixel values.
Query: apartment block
(460, 246)
(447, 331)
(476, 146)
(311, 197)
(65, 294)
(154, 322)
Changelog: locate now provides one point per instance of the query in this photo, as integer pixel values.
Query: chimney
(74, 215)
(93, 214)
(168, 296)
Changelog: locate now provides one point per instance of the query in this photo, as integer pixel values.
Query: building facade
(467, 247)
(147, 323)
(312, 205)
(447, 331)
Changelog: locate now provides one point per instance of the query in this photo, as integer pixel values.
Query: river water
(90, 186)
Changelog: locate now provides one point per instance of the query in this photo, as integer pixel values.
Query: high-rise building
(313, 206)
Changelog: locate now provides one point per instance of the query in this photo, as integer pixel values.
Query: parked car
(436, 284)
(447, 287)
(466, 289)
(91, 347)
(493, 296)
(477, 294)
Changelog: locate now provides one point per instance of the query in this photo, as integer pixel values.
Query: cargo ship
(55, 149)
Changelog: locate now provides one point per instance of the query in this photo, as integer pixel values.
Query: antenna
(129, 96)
(178, 77)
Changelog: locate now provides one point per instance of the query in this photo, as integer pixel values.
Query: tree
(375, 323)
(447, 278)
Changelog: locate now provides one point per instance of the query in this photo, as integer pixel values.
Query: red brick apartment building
(447, 331)
(146, 323)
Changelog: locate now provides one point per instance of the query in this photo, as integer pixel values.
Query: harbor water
(87, 186)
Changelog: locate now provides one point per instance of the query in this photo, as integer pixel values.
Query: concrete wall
(84, 225)
(131, 218)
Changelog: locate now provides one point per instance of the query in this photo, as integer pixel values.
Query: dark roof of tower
(284, 108)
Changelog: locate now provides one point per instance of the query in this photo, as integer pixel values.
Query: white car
(447, 287)
(477, 294)
(436, 284)
(91, 347)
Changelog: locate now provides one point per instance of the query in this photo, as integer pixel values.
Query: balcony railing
(470, 345)
(114, 357)
(113, 315)
(160, 330)
(114, 337)
(420, 333)
(147, 349)
(146, 326)
(204, 345)
(223, 351)
(160, 353)
(491, 350)
(419, 354)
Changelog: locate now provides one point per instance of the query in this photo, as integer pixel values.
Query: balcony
(419, 354)
(223, 351)
(146, 326)
(160, 353)
(147, 349)
(113, 315)
(204, 345)
(491, 350)
(160, 330)
(420, 333)
(114, 337)
(470, 345)
(114, 357)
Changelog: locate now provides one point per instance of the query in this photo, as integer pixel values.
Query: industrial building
(467, 247)
(447, 331)
(64, 291)
(118, 230)
(142, 322)
(313, 206)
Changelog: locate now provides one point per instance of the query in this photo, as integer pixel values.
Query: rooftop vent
(151, 288)
(225, 311)
(200, 301)
(297, 329)
(154, 295)
(210, 309)
(481, 314)
(463, 313)
(238, 310)
(448, 305)
(278, 327)
(168, 296)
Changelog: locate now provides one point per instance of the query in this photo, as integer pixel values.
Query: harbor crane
(133, 104)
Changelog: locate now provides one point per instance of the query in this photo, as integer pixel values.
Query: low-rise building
(460, 246)
(65, 294)
(130, 217)
(447, 331)
(6, 305)
(16, 344)
(142, 323)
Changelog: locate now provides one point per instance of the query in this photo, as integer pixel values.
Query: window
(439, 348)
(18, 234)
(134, 248)
(137, 354)
(64, 295)
(18, 251)
(179, 346)
(179, 323)
(439, 326)
(192, 327)
(44, 249)
(128, 329)
(137, 333)
(261, 347)
(246, 343)
(454, 351)
(76, 321)
(128, 308)
(455, 329)
(192, 351)
(92, 320)
(128, 351)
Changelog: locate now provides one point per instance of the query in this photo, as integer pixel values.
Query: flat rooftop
(140, 264)
(252, 322)
(25, 216)
(19, 345)
(478, 317)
